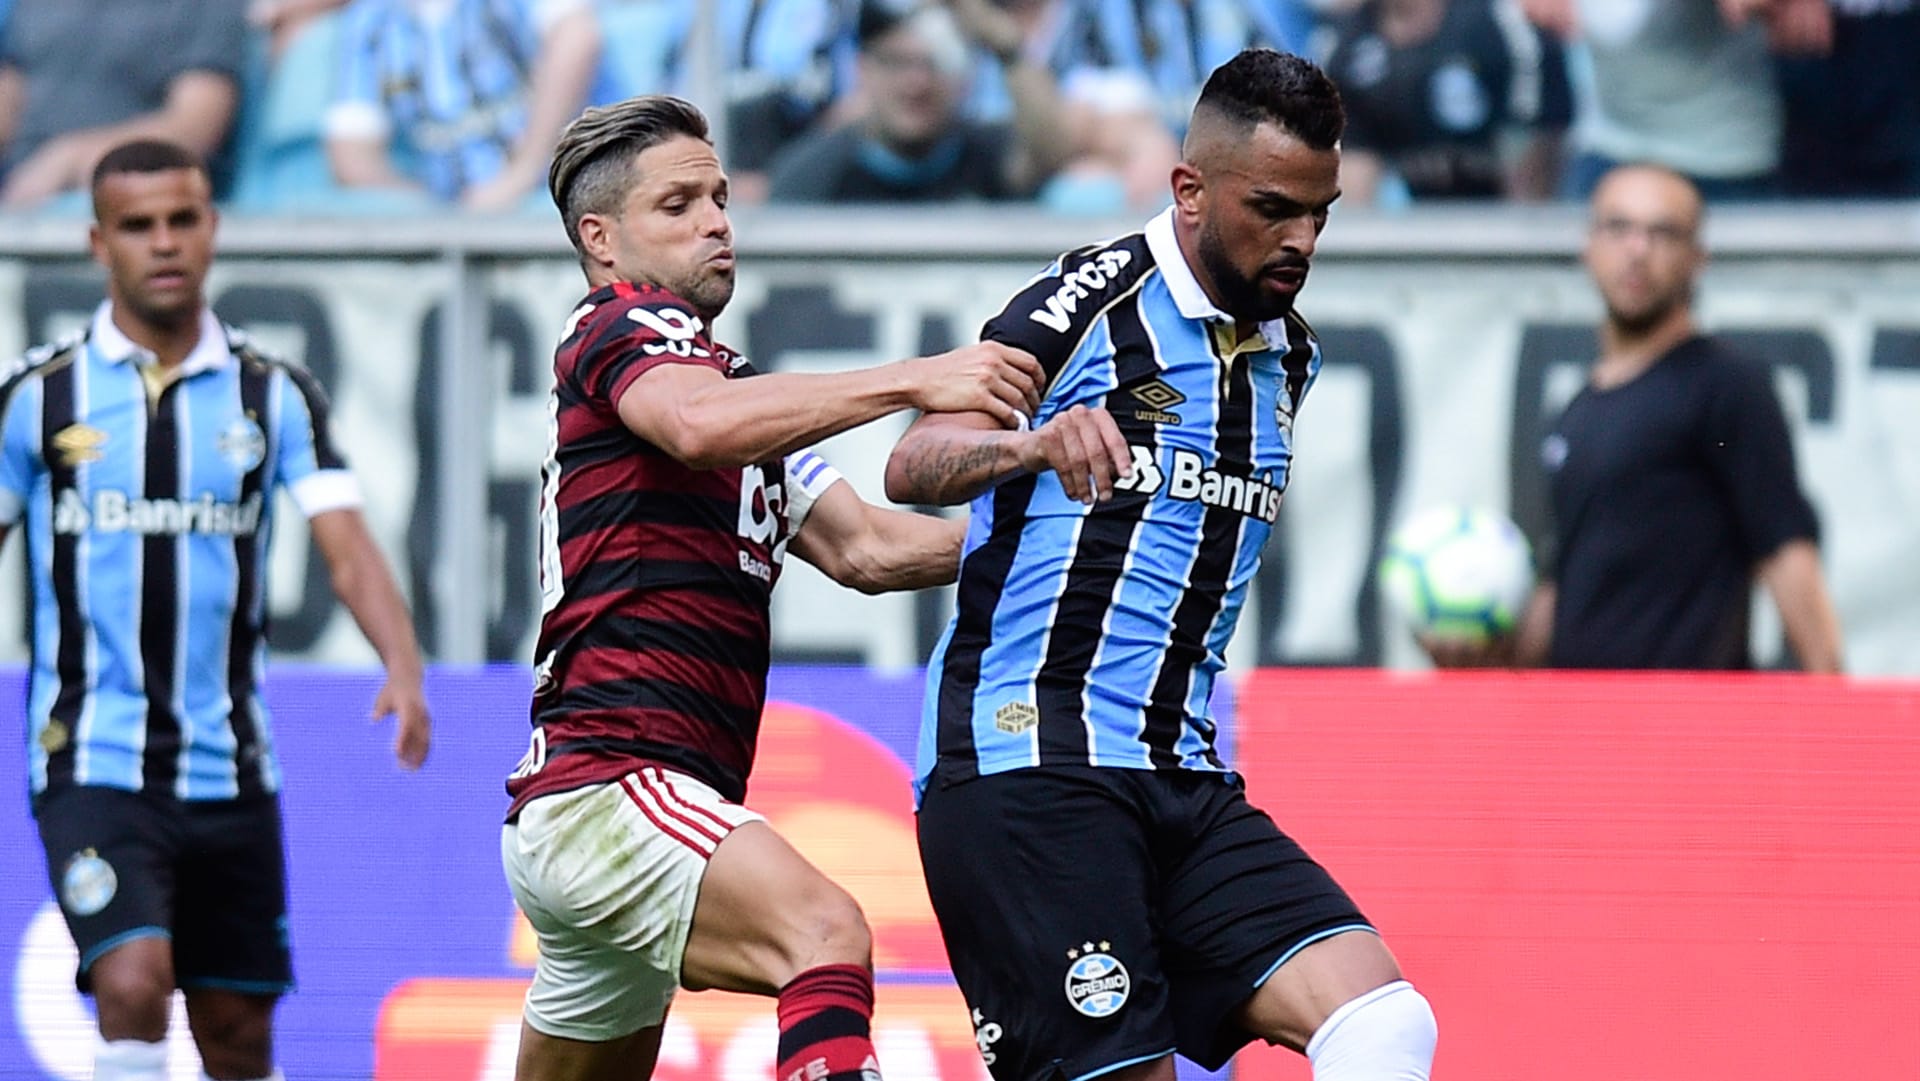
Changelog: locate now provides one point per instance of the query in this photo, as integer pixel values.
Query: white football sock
(129, 1060)
(1386, 1034)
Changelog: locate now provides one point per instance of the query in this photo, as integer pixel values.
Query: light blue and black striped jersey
(1093, 635)
(148, 506)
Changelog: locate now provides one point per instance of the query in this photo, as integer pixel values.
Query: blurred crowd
(382, 106)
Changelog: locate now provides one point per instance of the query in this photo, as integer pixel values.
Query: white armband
(325, 489)
(808, 478)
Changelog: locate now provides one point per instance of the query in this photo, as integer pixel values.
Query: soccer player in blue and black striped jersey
(1107, 893)
(143, 456)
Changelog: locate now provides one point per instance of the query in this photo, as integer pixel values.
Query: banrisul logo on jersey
(1097, 983)
(1189, 477)
(114, 511)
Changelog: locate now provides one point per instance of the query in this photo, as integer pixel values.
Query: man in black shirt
(1672, 473)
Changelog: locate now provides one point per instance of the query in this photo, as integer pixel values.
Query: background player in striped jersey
(673, 489)
(1067, 751)
(144, 455)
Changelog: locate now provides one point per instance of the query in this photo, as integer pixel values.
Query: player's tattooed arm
(950, 459)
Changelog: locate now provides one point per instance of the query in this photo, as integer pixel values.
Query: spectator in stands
(1684, 83)
(461, 99)
(1128, 73)
(1853, 110)
(1672, 476)
(787, 62)
(1460, 99)
(79, 78)
(911, 143)
(1170, 46)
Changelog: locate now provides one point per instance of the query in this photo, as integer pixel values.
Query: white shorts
(608, 876)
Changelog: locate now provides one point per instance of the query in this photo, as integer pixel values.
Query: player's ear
(596, 239)
(1189, 188)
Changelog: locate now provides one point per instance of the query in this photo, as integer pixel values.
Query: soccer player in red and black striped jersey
(673, 489)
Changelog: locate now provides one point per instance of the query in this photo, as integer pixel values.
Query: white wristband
(808, 478)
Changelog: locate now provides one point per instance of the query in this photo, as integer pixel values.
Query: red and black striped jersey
(655, 577)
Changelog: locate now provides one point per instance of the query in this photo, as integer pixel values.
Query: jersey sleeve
(1052, 315)
(19, 445)
(307, 464)
(808, 478)
(1751, 452)
(634, 335)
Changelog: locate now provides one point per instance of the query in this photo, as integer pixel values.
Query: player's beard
(1240, 296)
(708, 292)
(1638, 321)
(168, 315)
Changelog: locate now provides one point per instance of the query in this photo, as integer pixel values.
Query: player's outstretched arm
(876, 549)
(709, 422)
(949, 459)
(364, 584)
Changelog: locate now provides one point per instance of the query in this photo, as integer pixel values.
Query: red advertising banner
(1614, 877)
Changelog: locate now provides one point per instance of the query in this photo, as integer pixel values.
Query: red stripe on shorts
(658, 818)
(666, 785)
(655, 786)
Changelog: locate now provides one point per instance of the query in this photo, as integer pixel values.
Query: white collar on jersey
(210, 352)
(1188, 296)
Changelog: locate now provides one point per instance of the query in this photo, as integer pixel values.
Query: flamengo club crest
(1097, 983)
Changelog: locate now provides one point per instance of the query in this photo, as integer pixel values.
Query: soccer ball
(1457, 573)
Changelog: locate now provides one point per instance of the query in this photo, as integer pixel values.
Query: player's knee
(1387, 1034)
(132, 1000)
(835, 932)
(234, 1042)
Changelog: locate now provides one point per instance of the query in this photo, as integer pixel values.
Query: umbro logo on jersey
(78, 444)
(1188, 477)
(1158, 396)
(1015, 718)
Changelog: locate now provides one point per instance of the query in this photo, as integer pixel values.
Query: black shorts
(1101, 917)
(209, 875)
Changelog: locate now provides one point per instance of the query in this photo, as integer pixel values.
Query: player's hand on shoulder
(985, 377)
(1084, 447)
(404, 700)
(1496, 652)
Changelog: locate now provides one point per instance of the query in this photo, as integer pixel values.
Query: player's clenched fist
(1083, 445)
(985, 377)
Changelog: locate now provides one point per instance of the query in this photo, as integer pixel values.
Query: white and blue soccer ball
(1460, 574)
